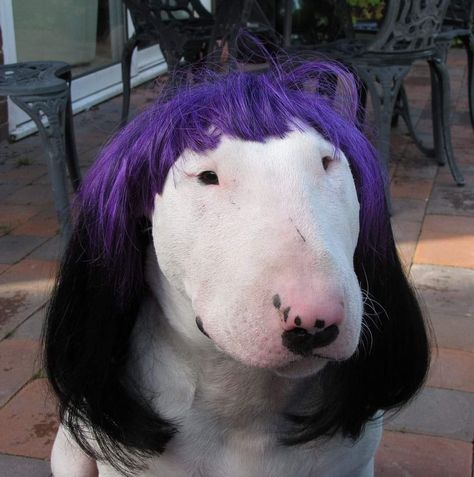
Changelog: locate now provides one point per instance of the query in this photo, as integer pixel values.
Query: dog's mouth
(300, 342)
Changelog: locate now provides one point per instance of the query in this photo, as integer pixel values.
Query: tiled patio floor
(434, 226)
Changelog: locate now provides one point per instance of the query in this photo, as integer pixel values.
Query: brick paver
(29, 422)
(411, 455)
(452, 369)
(13, 466)
(24, 288)
(433, 223)
(43, 224)
(437, 412)
(19, 362)
(15, 247)
(446, 240)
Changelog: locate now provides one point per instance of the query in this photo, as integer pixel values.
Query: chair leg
(469, 45)
(383, 84)
(126, 67)
(403, 108)
(441, 108)
(436, 112)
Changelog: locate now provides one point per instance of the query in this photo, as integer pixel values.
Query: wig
(101, 281)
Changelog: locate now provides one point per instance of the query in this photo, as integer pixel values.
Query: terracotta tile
(437, 412)
(452, 369)
(408, 210)
(31, 328)
(29, 422)
(452, 200)
(12, 216)
(463, 131)
(7, 189)
(53, 249)
(19, 363)
(16, 153)
(402, 187)
(446, 294)
(464, 156)
(463, 142)
(4, 267)
(446, 291)
(446, 240)
(37, 195)
(412, 455)
(415, 165)
(406, 235)
(413, 157)
(44, 224)
(13, 466)
(444, 177)
(460, 118)
(15, 247)
(24, 288)
(24, 175)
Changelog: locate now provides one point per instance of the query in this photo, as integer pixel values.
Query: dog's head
(259, 237)
(265, 206)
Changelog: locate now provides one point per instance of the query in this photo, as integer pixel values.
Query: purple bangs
(121, 186)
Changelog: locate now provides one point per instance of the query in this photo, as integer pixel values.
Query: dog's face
(260, 238)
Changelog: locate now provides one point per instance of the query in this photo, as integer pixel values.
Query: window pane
(88, 34)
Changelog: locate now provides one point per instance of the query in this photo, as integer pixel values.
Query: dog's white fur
(277, 223)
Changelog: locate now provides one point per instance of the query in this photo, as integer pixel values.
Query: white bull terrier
(231, 303)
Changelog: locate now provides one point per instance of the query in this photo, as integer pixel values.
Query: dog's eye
(208, 178)
(326, 160)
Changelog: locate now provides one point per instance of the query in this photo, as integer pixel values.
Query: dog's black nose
(299, 341)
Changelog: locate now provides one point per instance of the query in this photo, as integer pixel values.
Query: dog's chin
(302, 368)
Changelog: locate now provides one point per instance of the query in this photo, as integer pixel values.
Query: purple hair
(133, 167)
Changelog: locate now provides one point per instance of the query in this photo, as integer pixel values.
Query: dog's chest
(205, 449)
(230, 430)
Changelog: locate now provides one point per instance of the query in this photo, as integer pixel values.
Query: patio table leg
(54, 107)
(72, 161)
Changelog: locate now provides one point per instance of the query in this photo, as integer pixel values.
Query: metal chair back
(460, 14)
(409, 26)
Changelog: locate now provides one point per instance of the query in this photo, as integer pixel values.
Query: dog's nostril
(201, 327)
(319, 324)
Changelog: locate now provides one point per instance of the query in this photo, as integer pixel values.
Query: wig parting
(101, 282)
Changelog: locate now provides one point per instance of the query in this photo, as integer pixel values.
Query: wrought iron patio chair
(407, 34)
(457, 24)
(183, 28)
(187, 33)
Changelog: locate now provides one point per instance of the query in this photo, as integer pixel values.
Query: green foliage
(367, 9)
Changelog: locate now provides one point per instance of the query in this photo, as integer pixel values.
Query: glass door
(87, 34)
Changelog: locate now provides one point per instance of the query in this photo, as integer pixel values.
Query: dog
(231, 302)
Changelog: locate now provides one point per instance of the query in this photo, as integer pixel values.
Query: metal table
(42, 90)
